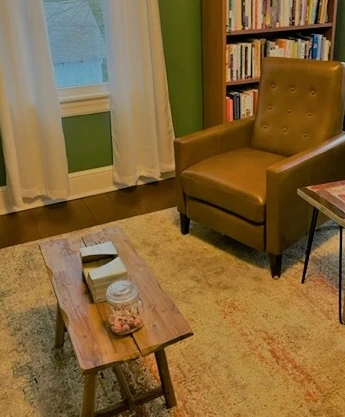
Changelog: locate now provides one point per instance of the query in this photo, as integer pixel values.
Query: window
(76, 37)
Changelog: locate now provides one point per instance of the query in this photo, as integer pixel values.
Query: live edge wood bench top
(96, 347)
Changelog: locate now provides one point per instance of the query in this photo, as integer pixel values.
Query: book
(108, 272)
(97, 252)
(101, 267)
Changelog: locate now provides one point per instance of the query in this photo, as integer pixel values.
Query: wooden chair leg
(276, 265)
(184, 221)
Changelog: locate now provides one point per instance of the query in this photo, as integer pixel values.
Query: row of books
(258, 14)
(243, 59)
(241, 104)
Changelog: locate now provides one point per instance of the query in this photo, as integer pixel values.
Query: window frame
(82, 100)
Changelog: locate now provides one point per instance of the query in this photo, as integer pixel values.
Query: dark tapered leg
(340, 273)
(184, 223)
(276, 265)
(310, 242)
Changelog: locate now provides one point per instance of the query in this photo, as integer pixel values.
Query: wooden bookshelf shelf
(294, 28)
(215, 39)
(243, 81)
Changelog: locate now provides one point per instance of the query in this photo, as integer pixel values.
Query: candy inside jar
(125, 308)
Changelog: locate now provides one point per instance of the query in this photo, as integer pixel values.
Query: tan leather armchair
(241, 178)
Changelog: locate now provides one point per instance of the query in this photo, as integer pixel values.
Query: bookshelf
(215, 39)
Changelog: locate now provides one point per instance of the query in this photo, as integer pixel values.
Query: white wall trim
(82, 184)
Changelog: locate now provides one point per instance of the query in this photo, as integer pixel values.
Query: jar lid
(122, 291)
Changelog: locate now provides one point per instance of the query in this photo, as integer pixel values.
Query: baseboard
(82, 184)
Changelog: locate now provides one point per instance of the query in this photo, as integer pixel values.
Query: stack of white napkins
(101, 267)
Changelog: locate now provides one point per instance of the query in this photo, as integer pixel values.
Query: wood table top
(329, 198)
(95, 345)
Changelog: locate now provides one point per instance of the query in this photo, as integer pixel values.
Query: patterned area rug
(261, 347)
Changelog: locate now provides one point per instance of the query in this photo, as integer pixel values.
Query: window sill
(80, 101)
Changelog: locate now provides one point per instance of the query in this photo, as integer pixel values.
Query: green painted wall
(88, 141)
(181, 28)
(340, 35)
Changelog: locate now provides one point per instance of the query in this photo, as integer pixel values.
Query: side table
(329, 199)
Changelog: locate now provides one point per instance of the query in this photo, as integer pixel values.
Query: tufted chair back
(297, 104)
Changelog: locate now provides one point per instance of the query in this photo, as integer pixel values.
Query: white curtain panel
(30, 123)
(142, 129)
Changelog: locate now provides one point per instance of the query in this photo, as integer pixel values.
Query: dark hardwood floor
(73, 215)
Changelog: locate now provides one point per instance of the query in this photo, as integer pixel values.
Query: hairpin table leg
(310, 242)
(340, 283)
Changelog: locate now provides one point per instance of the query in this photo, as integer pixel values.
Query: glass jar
(125, 308)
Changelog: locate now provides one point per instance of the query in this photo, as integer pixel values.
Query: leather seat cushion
(234, 181)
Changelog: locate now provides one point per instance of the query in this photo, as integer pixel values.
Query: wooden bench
(95, 346)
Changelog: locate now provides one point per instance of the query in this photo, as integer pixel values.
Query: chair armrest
(206, 143)
(288, 215)
(201, 145)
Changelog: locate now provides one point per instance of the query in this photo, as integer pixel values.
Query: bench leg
(89, 395)
(60, 328)
(164, 375)
(126, 392)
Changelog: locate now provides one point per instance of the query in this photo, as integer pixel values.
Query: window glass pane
(76, 36)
